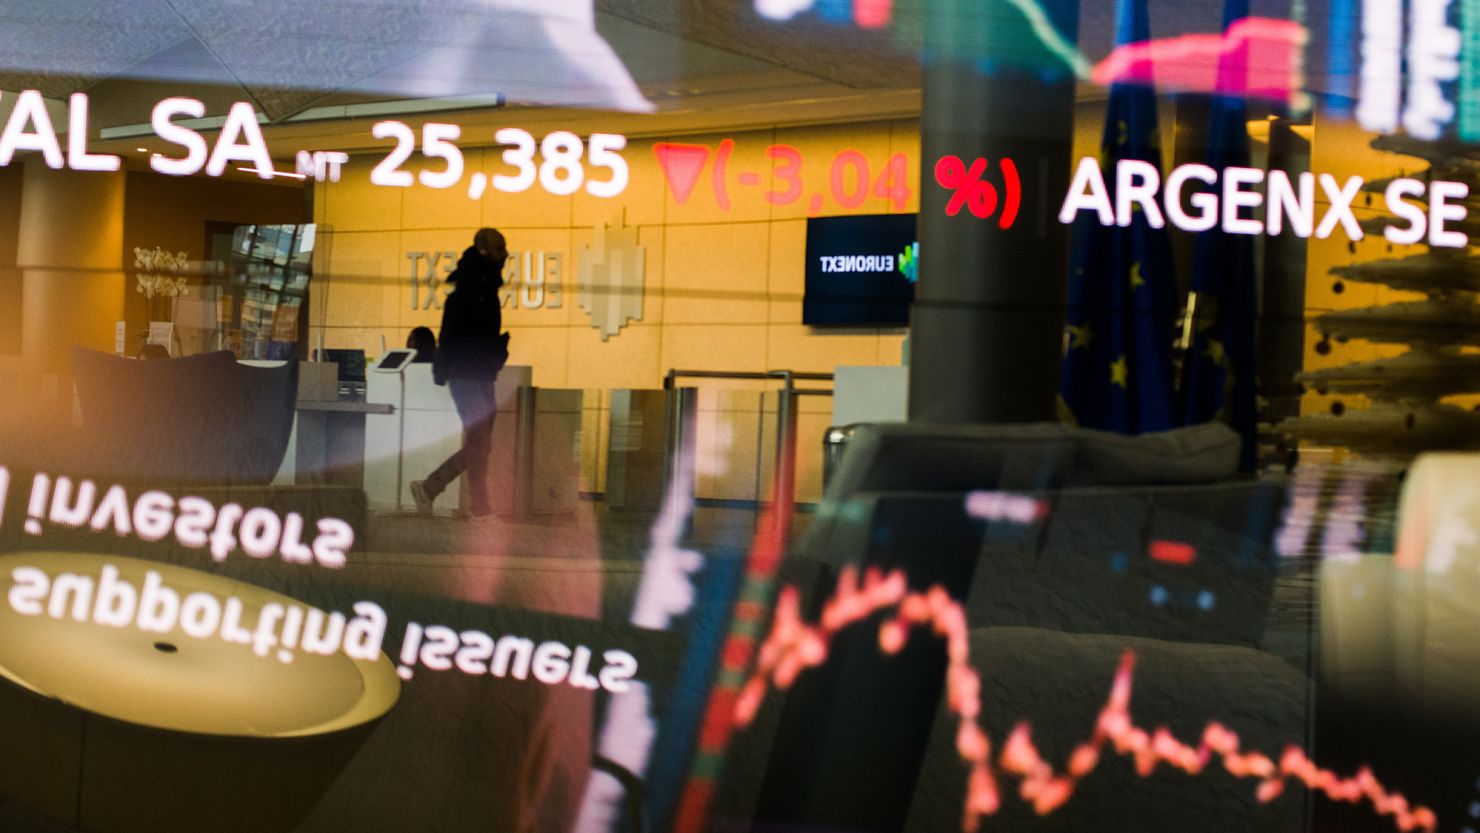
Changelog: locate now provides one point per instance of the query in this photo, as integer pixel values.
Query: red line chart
(793, 646)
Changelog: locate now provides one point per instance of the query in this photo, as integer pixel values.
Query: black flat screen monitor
(351, 364)
(860, 270)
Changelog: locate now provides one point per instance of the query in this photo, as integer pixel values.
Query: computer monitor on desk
(351, 371)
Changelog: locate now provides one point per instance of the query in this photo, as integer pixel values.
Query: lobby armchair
(198, 420)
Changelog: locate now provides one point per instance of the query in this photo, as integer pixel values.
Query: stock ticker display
(727, 571)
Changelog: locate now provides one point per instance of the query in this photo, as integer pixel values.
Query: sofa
(202, 419)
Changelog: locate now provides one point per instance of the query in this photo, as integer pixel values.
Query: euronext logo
(909, 262)
(611, 279)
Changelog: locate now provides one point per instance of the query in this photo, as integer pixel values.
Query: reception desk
(329, 442)
(420, 428)
(408, 425)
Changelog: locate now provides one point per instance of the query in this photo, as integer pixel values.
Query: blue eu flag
(1117, 371)
(1219, 366)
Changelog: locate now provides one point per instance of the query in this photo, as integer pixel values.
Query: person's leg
(481, 408)
(423, 492)
(476, 409)
(469, 412)
(438, 480)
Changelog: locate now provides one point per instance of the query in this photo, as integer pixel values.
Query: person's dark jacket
(471, 345)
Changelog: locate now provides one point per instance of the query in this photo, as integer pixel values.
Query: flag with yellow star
(1117, 372)
(1219, 368)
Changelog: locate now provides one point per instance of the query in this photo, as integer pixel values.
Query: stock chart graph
(793, 646)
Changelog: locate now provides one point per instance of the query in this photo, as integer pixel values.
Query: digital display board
(860, 270)
(1177, 537)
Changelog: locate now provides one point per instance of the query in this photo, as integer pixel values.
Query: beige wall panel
(794, 347)
(532, 208)
(359, 338)
(411, 319)
(364, 305)
(542, 348)
(363, 283)
(904, 137)
(630, 359)
(448, 240)
(423, 207)
(716, 274)
(815, 404)
(320, 204)
(747, 202)
(354, 204)
(891, 347)
(643, 201)
(819, 148)
(714, 347)
(787, 281)
(655, 240)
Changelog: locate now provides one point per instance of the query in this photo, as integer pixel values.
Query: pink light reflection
(1258, 57)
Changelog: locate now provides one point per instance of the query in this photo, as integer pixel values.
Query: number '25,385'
(561, 169)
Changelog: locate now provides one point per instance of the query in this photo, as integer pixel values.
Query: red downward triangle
(682, 165)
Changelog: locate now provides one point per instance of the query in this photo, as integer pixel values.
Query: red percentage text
(969, 189)
(851, 178)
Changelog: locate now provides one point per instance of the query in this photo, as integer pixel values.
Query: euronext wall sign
(611, 278)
